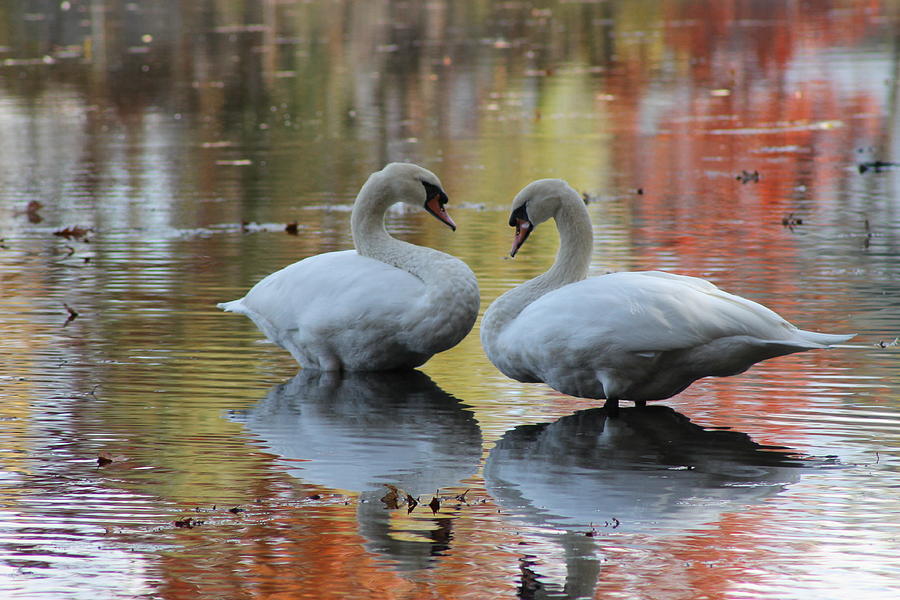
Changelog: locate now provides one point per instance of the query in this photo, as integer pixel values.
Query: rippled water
(154, 447)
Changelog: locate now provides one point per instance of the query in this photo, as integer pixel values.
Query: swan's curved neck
(576, 244)
(372, 239)
(367, 224)
(572, 262)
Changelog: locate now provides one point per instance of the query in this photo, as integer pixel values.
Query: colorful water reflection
(151, 157)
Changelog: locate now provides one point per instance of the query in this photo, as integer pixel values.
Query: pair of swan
(389, 304)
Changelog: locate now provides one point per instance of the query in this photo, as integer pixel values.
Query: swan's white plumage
(633, 335)
(346, 311)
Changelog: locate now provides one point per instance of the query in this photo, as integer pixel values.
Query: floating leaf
(104, 458)
(748, 176)
(188, 523)
(31, 211)
(73, 314)
(790, 221)
(75, 232)
(877, 166)
(391, 499)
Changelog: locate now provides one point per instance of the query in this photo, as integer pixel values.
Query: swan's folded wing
(333, 290)
(649, 312)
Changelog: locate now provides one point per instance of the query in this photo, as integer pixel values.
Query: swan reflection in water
(647, 470)
(357, 431)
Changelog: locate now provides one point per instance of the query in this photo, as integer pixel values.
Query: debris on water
(748, 176)
(639, 191)
(392, 498)
(877, 166)
(396, 498)
(291, 228)
(74, 232)
(235, 510)
(31, 211)
(188, 523)
(868, 235)
(790, 221)
(883, 344)
(104, 458)
(73, 314)
(612, 523)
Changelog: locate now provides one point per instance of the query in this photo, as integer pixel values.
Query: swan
(635, 336)
(388, 304)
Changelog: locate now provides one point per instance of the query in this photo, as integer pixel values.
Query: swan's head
(413, 185)
(537, 202)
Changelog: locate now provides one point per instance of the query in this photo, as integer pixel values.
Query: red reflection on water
(313, 548)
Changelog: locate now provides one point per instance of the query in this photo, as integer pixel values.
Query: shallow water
(174, 144)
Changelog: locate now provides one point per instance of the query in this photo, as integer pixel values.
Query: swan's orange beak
(435, 205)
(523, 230)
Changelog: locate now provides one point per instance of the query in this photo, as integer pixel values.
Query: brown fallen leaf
(392, 498)
(31, 211)
(74, 232)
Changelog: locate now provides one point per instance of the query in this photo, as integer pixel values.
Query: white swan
(386, 305)
(631, 336)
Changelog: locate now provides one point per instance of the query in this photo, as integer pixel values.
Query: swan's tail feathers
(233, 306)
(823, 340)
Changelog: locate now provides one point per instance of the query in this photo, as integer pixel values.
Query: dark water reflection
(363, 431)
(183, 137)
(644, 470)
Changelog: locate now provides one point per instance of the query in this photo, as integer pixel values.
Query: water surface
(154, 447)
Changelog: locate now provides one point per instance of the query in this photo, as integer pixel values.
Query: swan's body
(386, 305)
(633, 336)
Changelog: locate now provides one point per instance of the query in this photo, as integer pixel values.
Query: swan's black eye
(520, 214)
(432, 190)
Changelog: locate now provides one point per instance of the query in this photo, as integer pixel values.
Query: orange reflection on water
(314, 548)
